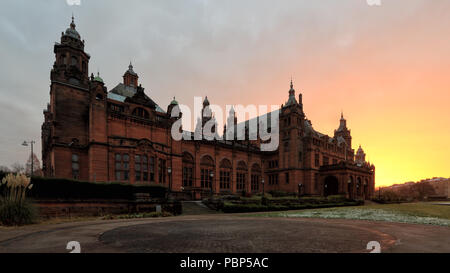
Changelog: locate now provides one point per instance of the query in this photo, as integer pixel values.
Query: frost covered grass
(415, 213)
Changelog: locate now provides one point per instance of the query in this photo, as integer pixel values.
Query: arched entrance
(330, 186)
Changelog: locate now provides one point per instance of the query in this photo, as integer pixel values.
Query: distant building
(94, 134)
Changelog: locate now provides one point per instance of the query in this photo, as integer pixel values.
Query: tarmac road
(221, 233)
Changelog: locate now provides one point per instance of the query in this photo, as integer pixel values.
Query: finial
(342, 114)
(72, 25)
(292, 84)
(130, 66)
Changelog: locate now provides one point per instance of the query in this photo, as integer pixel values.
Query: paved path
(226, 233)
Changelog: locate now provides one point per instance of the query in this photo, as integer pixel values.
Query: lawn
(416, 213)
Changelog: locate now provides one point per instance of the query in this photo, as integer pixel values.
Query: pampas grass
(14, 208)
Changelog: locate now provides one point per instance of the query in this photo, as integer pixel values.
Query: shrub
(55, 188)
(337, 198)
(17, 213)
(14, 208)
(139, 215)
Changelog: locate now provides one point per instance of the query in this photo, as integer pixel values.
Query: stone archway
(330, 186)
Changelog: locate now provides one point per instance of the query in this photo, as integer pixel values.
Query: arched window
(140, 112)
(206, 172)
(62, 59)
(359, 187)
(350, 186)
(188, 170)
(225, 174)
(74, 61)
(241, 176)
(75, 166)
(256, 177)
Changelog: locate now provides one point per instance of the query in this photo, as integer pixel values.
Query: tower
(71, 62)
(360, 157)
(291, 150)
(344, 132)
(64, 132)
(130, 78)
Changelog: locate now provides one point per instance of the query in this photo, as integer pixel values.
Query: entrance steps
(196, 208)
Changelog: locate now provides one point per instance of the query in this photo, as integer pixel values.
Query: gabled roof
(125, 93)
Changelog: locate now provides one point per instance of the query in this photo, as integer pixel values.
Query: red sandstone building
(94, 134)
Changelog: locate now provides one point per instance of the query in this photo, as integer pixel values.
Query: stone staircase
(196, 208)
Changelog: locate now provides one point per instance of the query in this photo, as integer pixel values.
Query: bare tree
(17, 168)
(4, 169)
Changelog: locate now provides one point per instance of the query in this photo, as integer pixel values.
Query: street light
(31, 142)
(300, 186)
(169, 171)
(211, 174)
(262, 182)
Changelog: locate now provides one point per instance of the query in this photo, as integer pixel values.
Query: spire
(342, 114)
(130, 67)
(72, 25)
(206, 102)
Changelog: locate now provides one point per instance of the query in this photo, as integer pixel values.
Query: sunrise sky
(386, 67)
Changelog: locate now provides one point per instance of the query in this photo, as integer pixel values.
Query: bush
(55, 188)
(241, 208)
(14, 213)
(337, 198)
(139, 215)
(282, 194)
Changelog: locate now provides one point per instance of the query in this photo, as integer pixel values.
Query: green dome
(174, 102)
(98, 78)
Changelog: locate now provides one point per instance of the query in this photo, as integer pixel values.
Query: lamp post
(169, 171)
(262, 182)
(31, 142)
(212, 178)
(300, 186)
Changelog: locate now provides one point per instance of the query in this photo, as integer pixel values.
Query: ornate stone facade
(94, 134)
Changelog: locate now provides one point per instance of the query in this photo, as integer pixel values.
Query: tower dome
(72, 32)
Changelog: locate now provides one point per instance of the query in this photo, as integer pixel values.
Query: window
(273, 179)
(137, 168)
(188, 176)
(116, 108)
(162, 171)
(225, 174)
(335, 161)
(188, 170)
(317, 160)
(122, 167)
(118, 167)
(240, 181)
(326, 161)
(300, 156)
(205, 178)
(74, 61)
(140, 112)
(286, 146)
(84, 66)
(255, 182)
(206, 169)
(62, 59)
(225, 179)
(152, 169)
(75, 166)
(287, 178)
(144, 168)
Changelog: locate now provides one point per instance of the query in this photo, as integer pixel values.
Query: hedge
(240, 208)
(67, 189)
